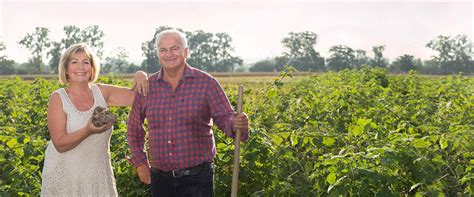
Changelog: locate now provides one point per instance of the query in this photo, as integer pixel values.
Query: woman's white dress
(85, 170)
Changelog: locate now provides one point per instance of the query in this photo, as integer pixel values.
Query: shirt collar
(188, 72)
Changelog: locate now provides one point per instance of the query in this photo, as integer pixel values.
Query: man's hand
(240, 121)
(144, 173)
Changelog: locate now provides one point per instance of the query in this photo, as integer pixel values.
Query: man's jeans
(200, 184)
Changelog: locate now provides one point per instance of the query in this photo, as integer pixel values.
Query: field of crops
(354, 133)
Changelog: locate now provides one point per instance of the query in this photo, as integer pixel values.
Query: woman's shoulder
(55, 98)
(102, 87)
(57, 93)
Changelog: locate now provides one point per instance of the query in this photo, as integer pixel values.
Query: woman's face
(79, 68)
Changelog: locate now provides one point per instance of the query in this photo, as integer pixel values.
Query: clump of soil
(102, 116)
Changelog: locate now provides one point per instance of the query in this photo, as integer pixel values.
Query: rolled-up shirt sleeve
(221, 110)
(136, 132)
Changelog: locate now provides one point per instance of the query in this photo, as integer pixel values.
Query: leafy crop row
(361, 133)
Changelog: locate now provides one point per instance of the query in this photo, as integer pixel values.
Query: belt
(184, 172)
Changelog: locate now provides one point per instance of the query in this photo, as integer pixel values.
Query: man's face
(171, 53)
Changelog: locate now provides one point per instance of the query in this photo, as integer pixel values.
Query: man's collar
(188, 72)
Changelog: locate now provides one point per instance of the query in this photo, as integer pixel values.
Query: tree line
(213, 52)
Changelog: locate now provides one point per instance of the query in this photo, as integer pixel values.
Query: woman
(77, 159)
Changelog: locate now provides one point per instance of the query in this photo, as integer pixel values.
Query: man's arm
(222, 112)
(136, 132)
(136, 139)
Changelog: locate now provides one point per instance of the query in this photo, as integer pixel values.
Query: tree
(212, 52)
(223, 50)
(207, 51)
(404, 64)
(201, 50)
(91, 35)
(6, 65)
(301, 53)
(264, 66)
(360, 58)
(117, 62)
(378, 60)
(454, 54)
(38, 43)
(341, 57)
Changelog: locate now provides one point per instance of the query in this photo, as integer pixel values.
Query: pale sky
(256, 26)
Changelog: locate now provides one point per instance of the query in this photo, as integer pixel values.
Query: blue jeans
(200, 184)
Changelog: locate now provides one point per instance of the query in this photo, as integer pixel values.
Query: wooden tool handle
(235, 170)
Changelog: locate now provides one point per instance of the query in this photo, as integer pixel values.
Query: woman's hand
(140, 83)
(95, 130)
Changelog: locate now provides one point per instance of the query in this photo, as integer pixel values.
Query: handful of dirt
(102, 116)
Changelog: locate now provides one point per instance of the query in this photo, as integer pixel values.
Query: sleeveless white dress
(85, 170)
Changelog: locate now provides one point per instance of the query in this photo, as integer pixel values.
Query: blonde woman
(77, 159)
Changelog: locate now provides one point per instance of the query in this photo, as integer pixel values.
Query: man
(179, 108)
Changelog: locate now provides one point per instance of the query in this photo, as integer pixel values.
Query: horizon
(256, 27)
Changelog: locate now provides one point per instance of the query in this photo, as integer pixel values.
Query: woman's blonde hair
(66, 58)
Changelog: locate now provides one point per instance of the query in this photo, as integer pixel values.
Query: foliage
(342, 57)
(355, 133)
(264, 66)
(207, 51)
(37, 43)
(117, 63)
(42, 47)
(301, 52)
(91, 35)
(213, 52)
(360, 58)
(454, 54)
(403, 64)
(378, 60)
(6, 65)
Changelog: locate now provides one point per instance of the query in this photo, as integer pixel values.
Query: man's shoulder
(200, 73)
(154, 76)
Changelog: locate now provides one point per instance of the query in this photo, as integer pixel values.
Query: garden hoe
(235, 170)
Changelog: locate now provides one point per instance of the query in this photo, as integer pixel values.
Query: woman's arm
(122, 96)
(63, 141)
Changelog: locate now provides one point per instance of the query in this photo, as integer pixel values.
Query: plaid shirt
(179, 122)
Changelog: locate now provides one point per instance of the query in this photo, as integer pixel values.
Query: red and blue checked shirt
(179, 122)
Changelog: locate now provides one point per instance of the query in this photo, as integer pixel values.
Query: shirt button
(169, 118)
(170, 154)
(169, 130)
(169, 141)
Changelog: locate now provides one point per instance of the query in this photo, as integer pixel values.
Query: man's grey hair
(174, 32)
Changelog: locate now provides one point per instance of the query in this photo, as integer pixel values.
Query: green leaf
(221, 146)
(443, 142)
(11, 143)
(421, 143)
(331, 178)
(272, 94)
(459, 169)
(306, 141)
(277, 140)
(294, 140)
(328, 141)
(356, 130)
